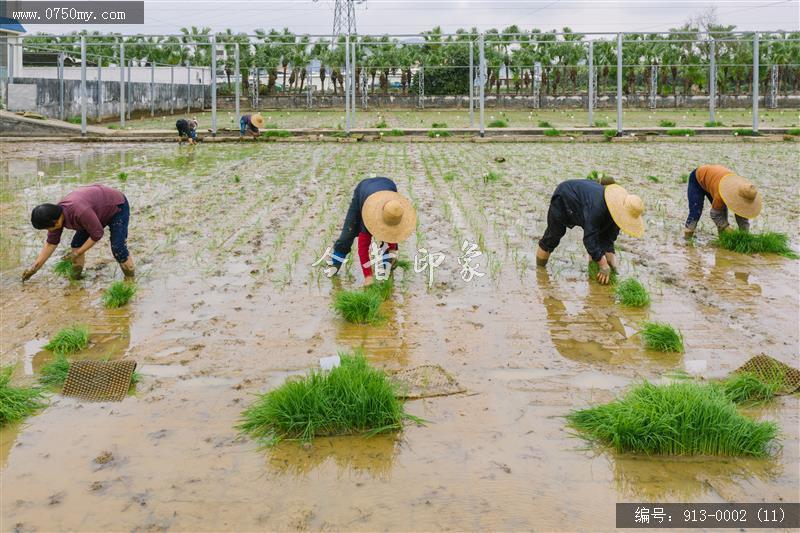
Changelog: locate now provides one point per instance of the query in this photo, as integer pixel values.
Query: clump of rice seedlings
(491, 177)
(544, 124)
(54, 373)
(381, 288)
(714, 124)
(744, 242)
(631, 293)
(745, 132)
(65, 268)
(498, 123)
(654, 179)
(552, 132)
(74, 120)
(118, 294)
(661, 337)
(746, 387)
(664, 123)
(680, 132)
(609, 134)
(684, 178)
(405, 264)
(395, 133)
(352, 398)
(439, 125)
(237, 178)
(273, 134)
(69, 340)
(793, 131)
(449, 176)
(594, 269)
(359, 307)
(682, 418)
(122, 176)
(595, 175)
(382, 124)
(16, 403)
(438, 133)
(601, 124)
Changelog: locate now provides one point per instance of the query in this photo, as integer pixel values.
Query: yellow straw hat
(389, 216)
(740, 196)
(626, 210)
(257, 120)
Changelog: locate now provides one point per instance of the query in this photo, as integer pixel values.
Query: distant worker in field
(601, 210)
(187, 129)
(724, 189)
(250, 124)
(86, 210)
(376, 211)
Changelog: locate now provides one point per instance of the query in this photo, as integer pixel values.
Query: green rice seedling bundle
(491, 177)
(594, 269)
(552, 132)
(65, 268)
(16, 403)
(122, 176)
(382, 288)
(350, 399)
(664, 123)
(438, 133)
(680, 132)
(601, 124)
(359, 307)
(631, 293)
(746, 387)
(682, 418)
(498, 123)
(743, 242)
(69, 340)
(544, 124)
(118, 294)
(54, 373)
(661, 337)
(609, 134)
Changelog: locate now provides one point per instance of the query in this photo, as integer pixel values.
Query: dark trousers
(350, 230)
(118, 227)
(697, 196)
(556, 228)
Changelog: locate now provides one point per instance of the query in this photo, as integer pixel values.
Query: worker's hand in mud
(604, 275)
(30, 271)
(368, 281)
(70, 256)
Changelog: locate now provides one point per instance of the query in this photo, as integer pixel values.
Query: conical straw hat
(740, 196)
(626, 210)
(257, 120)
(389, 216)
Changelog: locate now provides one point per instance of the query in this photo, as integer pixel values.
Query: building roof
(10, 25)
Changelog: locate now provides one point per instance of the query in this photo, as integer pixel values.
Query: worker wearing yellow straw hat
(724, 189)
(377, 211)
(601, 210)
(250, 124)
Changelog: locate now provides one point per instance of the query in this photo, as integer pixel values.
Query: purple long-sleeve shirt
(90, 209)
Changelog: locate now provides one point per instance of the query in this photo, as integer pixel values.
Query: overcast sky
(411, 16)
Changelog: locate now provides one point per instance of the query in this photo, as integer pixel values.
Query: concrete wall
(47, 97)
(138, 74)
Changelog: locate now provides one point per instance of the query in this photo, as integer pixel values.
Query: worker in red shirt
(376, 210)
(86, 210)
(724, 189)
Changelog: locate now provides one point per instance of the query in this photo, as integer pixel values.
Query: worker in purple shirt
(86, 210)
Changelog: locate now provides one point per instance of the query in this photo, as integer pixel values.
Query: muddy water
(229, 306)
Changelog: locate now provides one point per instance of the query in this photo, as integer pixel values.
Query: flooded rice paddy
(229, 305)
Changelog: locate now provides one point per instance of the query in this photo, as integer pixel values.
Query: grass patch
(631, 293)
(395, 133)
(793, 131)
(498, 123)
(743, 242)
(714, 124)
(449, 176)
(491, 177)
(544, 124)
(69, 340)
(661, 337)
(684, 178)
(683, 418)
(745, 132)
(275, 134)
(552, 132)
(352, 398)
(609, 134)
(74, 120)
(654, 179)
(381, 125)
(118, 294)
(438, 133)
(594, 269)
(680, 132)
(359, 307)
(16, 403)
(601, 124)
(122, 176)
(54, 373)
(664, 123)
(113, 126)
(65, 268)
(439, 125)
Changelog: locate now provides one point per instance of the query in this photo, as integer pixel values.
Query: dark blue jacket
(582, 203)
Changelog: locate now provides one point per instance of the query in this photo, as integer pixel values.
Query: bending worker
(724, 189)
(376, 210)
(187, 129)
(86, 210)
(250, 124)
(601, 211)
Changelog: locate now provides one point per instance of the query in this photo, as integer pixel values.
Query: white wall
(138, 74)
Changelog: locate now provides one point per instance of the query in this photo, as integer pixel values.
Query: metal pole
(203, 89)
(61, 86)
(591, 83)
(482, 91)
(619, 83)
(347, 83)
(84, 93)
(755, 81)
(130, 88)
(712, 81)
(471, 87)
(188, 88)
(152, 89)
(121, 84)
(236, 66)
(258, 86)
(353, 83)
(213, 86)
(99, 104)
(172, 89)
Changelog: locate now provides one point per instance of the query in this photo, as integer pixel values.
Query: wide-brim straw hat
(257, 120)
(740, 196)
(626, 210)
(389, 216)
